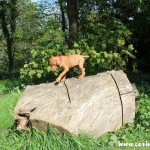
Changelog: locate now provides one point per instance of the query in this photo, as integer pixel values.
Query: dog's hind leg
(81, 62)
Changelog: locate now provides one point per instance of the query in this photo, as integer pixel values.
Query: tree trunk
(63, 22)
(73, 21)
(9, 28)
(10, 50)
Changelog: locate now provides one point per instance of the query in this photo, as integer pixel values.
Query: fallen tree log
(96, 105)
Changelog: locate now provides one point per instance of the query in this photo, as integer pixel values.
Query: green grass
(10, 139)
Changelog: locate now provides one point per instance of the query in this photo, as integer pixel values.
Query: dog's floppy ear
(57, 61)
(54, 60)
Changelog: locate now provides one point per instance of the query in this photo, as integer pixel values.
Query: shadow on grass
(142, 81)
(6, 86)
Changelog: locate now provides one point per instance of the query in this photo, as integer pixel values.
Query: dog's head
(53, 62)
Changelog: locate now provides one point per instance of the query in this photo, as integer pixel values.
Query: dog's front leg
(62, 74)
(63, 78)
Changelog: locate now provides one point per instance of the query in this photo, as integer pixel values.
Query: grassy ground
(136, 133)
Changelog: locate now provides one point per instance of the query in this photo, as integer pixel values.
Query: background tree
(8, 15)
(135, 14)
(62, 6)
(72, 7)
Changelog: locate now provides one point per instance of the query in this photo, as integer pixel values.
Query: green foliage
(38, 70)
(111, 42)
(47, 42)
(144, 116)
(105, 39)
(143, 113)
(107, 33)
(104, 59)
(28, 29)
(7, 86)
(106, 51)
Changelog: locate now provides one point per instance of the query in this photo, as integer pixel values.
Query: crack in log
(67, 92)
(25, 115)
(32, 109)
(126, 93)
(120, 98)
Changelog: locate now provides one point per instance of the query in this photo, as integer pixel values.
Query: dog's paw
(63, 80)
(81, 77)
(58, 80)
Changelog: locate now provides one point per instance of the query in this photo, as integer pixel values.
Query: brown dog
(66, 62)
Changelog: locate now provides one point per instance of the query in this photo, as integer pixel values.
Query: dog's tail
(85, 57)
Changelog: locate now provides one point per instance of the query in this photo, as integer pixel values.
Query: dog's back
(75, 59)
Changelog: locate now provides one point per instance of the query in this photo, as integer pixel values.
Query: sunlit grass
(7, 105)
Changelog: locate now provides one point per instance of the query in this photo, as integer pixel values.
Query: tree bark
(73, 21)
(9, 32)
(63, 21)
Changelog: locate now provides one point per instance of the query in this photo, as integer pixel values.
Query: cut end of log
(135, 91)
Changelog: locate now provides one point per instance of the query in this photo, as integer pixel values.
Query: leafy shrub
(38, 70)
(102, 60)
(143, 114)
